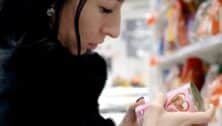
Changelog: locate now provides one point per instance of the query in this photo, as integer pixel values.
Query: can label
(184, 99)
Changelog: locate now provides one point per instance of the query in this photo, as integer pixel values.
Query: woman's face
(98, 19)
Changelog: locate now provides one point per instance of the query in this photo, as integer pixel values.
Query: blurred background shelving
(207, 49)
(159, 39)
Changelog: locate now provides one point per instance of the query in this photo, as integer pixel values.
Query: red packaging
(193, 71)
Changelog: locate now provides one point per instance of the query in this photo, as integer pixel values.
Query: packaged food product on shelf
(211, 75)
(201, 22)
(179, 18)
(220, 17)
(170, 31)
(186, 22)
(193, 71)
(172, 77)
(218, 115)
(216, 91)
(211, 22)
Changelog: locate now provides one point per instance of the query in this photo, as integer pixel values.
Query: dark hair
(78, 13)
(23, 15)
(80, 6)
(30, 16)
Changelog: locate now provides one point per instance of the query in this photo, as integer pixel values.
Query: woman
(58, 76)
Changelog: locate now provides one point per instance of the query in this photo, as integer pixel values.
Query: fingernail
(140, 98)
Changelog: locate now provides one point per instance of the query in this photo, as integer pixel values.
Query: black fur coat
(55, 87)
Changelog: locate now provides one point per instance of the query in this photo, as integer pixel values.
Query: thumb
(160, 100)
(195, 117)
(131, 110)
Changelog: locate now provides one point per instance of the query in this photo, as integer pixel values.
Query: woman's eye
(105, 10)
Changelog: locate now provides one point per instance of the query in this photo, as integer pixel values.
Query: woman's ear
(51, 13)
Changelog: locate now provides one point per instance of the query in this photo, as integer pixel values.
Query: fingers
(156, 108)
(139, 99)
(194, 117)
(154, 111)
(131, 110)
(160, 100)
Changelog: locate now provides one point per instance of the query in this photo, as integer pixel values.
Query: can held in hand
(184, 99)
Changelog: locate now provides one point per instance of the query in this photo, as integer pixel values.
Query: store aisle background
(153, 51)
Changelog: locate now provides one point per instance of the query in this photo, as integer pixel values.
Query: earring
(50, 11)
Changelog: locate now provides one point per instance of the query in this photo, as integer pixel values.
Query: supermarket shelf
(119, 98)
(116, 117)
(115, 104)
(207, 49)
(124, 91)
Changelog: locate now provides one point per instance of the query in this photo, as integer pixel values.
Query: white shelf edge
(124, 91)
(201, 48)
(117, 99)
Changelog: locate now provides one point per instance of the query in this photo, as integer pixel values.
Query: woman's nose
(113, 31)
(112, 27)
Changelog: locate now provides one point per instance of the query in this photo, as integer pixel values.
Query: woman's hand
(155, 115)
(130, 117)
